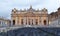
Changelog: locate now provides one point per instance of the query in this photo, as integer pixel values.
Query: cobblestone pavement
(28, 31)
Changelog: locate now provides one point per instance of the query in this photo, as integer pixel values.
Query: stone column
(24, 21)
(19, 21)
(16, 21)
(11, 22)
(1, 22)
(38, 21)
(33, 21)
(30, 22)
(47, 21)
(27, 20)
(42, 21)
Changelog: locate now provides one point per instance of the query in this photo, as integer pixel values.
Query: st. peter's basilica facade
(29, 17)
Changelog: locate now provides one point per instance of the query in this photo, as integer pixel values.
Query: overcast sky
(7, 5)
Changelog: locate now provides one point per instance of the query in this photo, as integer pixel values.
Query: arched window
(45, 22)
(13, 22)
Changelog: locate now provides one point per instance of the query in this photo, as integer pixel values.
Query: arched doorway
(13, 22)
(45, 22)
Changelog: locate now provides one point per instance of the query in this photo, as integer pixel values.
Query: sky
(7, 5)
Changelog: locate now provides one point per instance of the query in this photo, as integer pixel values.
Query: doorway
(45, 22)
(13, 22)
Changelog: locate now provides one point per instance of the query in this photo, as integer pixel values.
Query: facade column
(11, 22)
(1, 22)
(47, 21)
(16, 21)
(42, 21)
(19, 21)
(38, 21)
(30, 22)
(24, 21)
(33, 21)
(27, 21)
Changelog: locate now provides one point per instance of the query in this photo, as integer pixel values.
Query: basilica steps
(5, 29)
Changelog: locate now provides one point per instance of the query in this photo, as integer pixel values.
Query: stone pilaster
(11, 22)
(16, 21)
(47, 21)
(30, 21)
(33, 21)
(1, 22)
(24, 21)
(38, 22)
(27, 21)
(19, 21)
